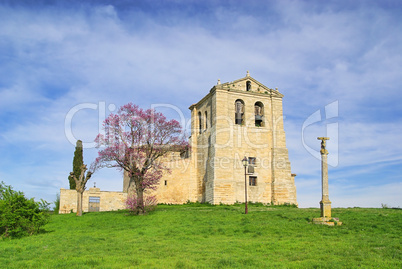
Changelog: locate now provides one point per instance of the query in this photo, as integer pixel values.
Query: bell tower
(237, 119)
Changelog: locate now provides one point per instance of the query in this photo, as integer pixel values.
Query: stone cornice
(265, 89)
(268, 93)
(211, 92)
(265, 92)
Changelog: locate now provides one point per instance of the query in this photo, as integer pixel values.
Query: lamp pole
(244, 161)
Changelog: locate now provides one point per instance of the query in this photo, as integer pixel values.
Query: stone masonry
(108, 200)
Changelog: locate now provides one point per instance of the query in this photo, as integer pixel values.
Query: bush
(57, 205)
(20, 216)
(150, 203)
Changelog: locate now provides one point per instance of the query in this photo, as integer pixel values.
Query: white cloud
(315, 54)
(368, 196)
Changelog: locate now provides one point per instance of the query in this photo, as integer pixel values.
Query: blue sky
(338, 64)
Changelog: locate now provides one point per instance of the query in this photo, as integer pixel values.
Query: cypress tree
(77, 163)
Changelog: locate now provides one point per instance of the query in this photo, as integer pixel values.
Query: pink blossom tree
(134, 141)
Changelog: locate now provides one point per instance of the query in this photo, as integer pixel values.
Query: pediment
(249, 84)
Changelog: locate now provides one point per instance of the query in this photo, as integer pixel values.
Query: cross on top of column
(323, 144)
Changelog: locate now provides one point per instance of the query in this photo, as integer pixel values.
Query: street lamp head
(244, 161)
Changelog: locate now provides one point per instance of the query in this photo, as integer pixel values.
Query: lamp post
(245, 162)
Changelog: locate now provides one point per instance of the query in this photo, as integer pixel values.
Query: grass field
(205, 236)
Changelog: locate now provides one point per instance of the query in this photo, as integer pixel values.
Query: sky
(66, 65)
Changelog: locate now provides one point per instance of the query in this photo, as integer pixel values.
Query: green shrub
(20, 216)
(57, 204)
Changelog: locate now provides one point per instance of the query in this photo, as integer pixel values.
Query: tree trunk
(140, 200)
(139, 193)
(79, 203)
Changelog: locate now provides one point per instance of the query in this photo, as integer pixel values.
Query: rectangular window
(165, 182)
(185, 154)
(252, 181)
(206, 120)
(94, 199)
(94, 203)
(251, 161)
(200, 122)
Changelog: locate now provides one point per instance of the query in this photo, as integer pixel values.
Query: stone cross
(325, 203)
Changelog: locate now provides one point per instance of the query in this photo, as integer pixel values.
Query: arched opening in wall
(206, 120)
(248, 86)
(199, 122)
(259, 114)
(239, 112)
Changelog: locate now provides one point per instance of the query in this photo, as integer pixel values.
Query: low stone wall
(108, 200)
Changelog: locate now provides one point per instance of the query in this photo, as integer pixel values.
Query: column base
(325, 209)
(327, 221)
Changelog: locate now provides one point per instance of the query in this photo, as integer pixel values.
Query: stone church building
(237, 119)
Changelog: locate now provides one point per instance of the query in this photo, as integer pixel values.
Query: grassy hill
(205, 236)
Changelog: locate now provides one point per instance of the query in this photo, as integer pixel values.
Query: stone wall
(175, 186)
(108, 200)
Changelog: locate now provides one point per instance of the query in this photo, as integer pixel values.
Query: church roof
(247, 84)
(242, 85)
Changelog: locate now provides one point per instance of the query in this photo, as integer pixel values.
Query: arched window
(248, 86)
(206, 120)
(199, 122)
(239, 112)
(259, 114)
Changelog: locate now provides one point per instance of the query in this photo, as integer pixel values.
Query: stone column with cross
(325, 203)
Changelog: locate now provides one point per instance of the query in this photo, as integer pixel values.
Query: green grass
(205, 236)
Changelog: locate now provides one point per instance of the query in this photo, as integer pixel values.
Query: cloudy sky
(64, 65)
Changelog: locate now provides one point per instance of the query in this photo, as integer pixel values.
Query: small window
(239, 112)
(185, 154)
(253, 181)
(251, 161)
(94, 199)
(199, 122)
(165, 182)
(206, 120)
(251, 165)
(248, 86)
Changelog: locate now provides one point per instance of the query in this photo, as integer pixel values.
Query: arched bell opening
(259, 114)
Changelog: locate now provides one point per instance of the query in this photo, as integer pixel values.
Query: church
(235, 121)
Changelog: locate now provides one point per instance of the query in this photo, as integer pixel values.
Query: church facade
(237, 119)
